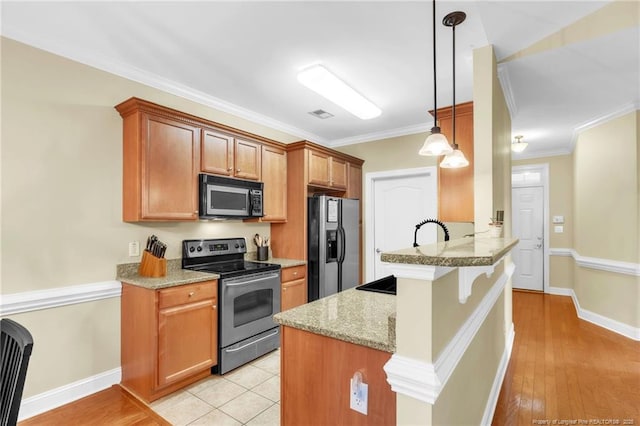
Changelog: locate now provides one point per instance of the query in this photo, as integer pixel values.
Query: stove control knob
(237, 245)
(241, 245)
(192, 249)
(199, 248)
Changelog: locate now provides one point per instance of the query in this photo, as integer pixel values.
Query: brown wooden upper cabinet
(455, 186)
(274, 177)
(228, 155)
(160, 179)
(164, 150)
(326, 170)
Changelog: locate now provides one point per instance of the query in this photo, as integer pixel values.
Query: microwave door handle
(250, 196)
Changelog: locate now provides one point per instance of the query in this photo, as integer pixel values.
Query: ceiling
(242, 57)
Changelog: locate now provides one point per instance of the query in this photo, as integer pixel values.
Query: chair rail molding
(617, 266)
(28, 301)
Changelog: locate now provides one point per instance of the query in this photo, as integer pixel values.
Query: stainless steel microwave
(227, 198)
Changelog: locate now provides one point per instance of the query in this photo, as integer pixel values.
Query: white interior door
(528, 227)
(400, 202)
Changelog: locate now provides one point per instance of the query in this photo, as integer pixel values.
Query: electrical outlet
(134, 249)
(558, 229)
(359, 392)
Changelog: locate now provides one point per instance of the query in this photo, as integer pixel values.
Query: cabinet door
(187, 340)
(217, 153)
(247, 159)
(354, 182)
(274, 177)
(169, 169)
(319, 172)
(294, 293)
(338, 173)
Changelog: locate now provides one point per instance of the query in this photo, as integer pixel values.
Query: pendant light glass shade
(454, 160)
(435, 144)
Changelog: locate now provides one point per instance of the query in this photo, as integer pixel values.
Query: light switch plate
(558, 219)
(559, 229)
(134, 249)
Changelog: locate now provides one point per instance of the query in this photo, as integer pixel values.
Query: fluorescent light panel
(321, 81)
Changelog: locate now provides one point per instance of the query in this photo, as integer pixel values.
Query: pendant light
(436, 143)
(518, 145)
(456, 158)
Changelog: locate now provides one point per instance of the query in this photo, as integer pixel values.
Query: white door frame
(370, 178)
(543, 169)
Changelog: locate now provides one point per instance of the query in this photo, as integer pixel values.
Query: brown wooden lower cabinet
(294, 287)
(315, 376)
(169, 337)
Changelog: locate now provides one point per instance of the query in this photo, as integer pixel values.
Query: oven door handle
(252, 343)
(245, 282)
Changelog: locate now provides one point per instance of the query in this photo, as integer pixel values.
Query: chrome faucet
(437, 222)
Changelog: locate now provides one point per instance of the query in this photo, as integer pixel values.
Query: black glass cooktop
(234, 268)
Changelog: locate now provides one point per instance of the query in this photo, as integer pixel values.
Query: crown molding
(507, 90)
(370, 137)
(138, 75)
(590, 124)
(527, 155)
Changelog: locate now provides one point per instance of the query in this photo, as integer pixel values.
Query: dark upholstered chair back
(15, 349)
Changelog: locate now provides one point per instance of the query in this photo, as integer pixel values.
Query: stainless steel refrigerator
(334, 245)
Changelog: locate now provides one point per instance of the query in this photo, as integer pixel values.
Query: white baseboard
(621, 328)
(54, 398)
(560, 291)
(610, 324)
(490, 408)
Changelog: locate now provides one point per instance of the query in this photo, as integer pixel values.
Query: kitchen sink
(386, 285)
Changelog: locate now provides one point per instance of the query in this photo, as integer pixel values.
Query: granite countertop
(454, 253)
(354, 316)
(128, 273)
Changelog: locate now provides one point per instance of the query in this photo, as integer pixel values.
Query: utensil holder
(495, 231)
(263, 253)
(151, 266)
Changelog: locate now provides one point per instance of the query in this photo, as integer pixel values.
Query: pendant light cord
(435, 89)
(455, 146)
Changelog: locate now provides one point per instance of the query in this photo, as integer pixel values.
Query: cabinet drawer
(180, 295)
(295, 273)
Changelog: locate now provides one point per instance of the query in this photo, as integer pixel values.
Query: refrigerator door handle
(341, 245)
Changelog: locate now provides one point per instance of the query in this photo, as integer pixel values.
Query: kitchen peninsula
(448, 338)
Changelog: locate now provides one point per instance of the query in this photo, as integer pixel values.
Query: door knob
(378, 250)
(539, 246)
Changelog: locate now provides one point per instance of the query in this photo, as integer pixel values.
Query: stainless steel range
(248, 297)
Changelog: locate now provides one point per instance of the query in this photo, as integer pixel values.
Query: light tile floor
(249, 395)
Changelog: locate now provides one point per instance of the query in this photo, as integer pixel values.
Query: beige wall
(61, 203)
(606, 190)
(606, 215)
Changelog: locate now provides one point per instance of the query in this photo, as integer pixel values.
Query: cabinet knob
(191, 293)
(237, 170)
(215, 306)
(284, 289)
(295, 273)
(229, 169)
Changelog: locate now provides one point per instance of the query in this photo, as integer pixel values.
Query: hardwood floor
(566, 369)
(112, 406)
(561, 368)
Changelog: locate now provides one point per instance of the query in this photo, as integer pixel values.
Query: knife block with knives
(153, 263)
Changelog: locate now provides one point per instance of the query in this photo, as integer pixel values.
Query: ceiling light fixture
(456, 158)
(518, 145)
(323, 82)
(436, 143)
